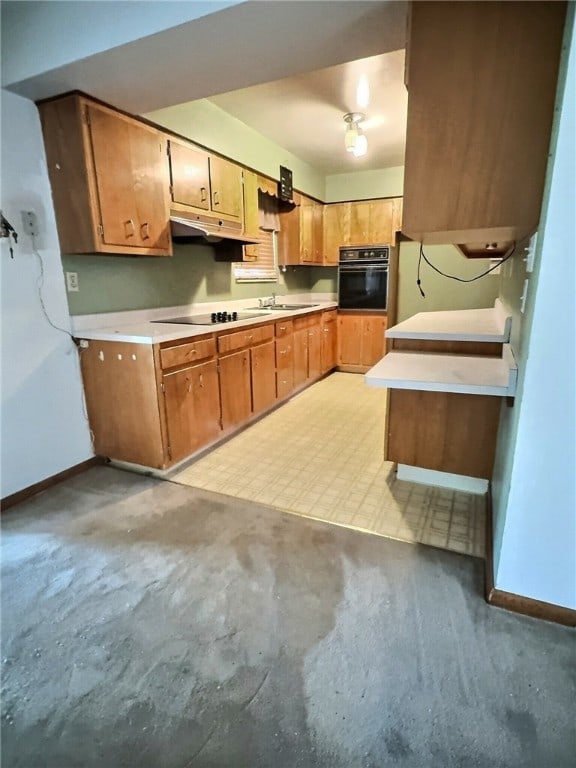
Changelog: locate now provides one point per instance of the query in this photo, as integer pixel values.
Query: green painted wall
(116, 283)
(364, 185)
(442, 293)
(207, 124)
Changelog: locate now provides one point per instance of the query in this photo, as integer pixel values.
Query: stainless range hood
(216, 232)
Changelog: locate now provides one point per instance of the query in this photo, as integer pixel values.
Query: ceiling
(287, 69)
(304, 114)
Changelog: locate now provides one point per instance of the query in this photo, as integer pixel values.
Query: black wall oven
(363, 277)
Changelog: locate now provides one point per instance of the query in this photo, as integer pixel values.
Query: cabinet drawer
(229, 342)
(283, 328)
(184, 354)
(307, 321)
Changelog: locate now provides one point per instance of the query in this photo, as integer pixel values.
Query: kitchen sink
(285, 307)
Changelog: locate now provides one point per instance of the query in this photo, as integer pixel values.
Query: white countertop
(474, 375)
(136, 326)
(492, 324)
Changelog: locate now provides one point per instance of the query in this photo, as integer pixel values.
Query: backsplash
(116, 283)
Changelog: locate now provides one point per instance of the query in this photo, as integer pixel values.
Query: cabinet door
(226, 185)
(284, 366)
(314, 353)
(317, 236)
(130, 179)
(328, 343)
(360, 214)
(307, 231)
(250, 197)
(349, 339)
(300, 356)
(192, 409)
(373, 341)
(382, 221)
(289, 235)
(189, 176)
(206, 403)
(235, 398)
(336, 227)
(263, 376)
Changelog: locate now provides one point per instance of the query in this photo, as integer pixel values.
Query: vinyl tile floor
(321, 456)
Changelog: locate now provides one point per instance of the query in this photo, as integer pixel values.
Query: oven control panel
(378, 253)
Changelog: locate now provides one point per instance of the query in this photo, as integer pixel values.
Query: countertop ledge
(490, 324)
(143, 331)
(475, 375)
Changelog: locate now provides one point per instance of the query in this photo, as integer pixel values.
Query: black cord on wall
(455, 277)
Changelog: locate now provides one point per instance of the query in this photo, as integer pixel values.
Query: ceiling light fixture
(354, 140)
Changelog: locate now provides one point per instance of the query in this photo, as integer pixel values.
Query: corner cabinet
(481, 81)
(109, 179)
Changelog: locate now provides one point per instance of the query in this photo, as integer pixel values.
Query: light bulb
(360, 146)
(350, 138)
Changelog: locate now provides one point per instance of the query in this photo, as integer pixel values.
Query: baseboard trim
(531, 607)
(527, 606)
(43, 485)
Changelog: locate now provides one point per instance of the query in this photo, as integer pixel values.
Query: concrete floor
(152, 625)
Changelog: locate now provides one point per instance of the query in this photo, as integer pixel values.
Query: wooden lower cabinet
(263, 369)
(192, 403)
(443, 431)
(235, 395)
(314, 353)
(300, 356)
(284, 367)
(328, 339)
(155, 405)
(361, 341)
(122, 400)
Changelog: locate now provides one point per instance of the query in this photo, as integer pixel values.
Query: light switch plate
(72, 282)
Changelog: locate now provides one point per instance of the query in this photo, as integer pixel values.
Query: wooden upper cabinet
(189, 175)
(372, 222)
(226, 186)
(250, 203)
(481, 97)
(336, 231)
(360, 223)
(311, 213)
(109, 179)
(204, 182)
(289, 236)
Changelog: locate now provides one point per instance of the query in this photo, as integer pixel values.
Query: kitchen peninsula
(446, 373)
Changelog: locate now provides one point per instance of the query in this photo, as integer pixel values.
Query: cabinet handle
(201, 380)
(326, 330)
(282, 328)
(129, 228)
(215, 198)
(203, 196)
(283, 352)
(145, 231)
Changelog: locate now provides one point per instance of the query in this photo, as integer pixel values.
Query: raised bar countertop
(475, 375)
(136, 326)
(492, 324)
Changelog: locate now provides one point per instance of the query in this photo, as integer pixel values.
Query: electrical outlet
(72, 282)
(30, 223)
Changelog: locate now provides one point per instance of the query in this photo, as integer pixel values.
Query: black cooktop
(214, 318)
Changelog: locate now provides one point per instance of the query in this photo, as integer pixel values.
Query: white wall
(44, 430)
(39, 36)
(536, 543)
